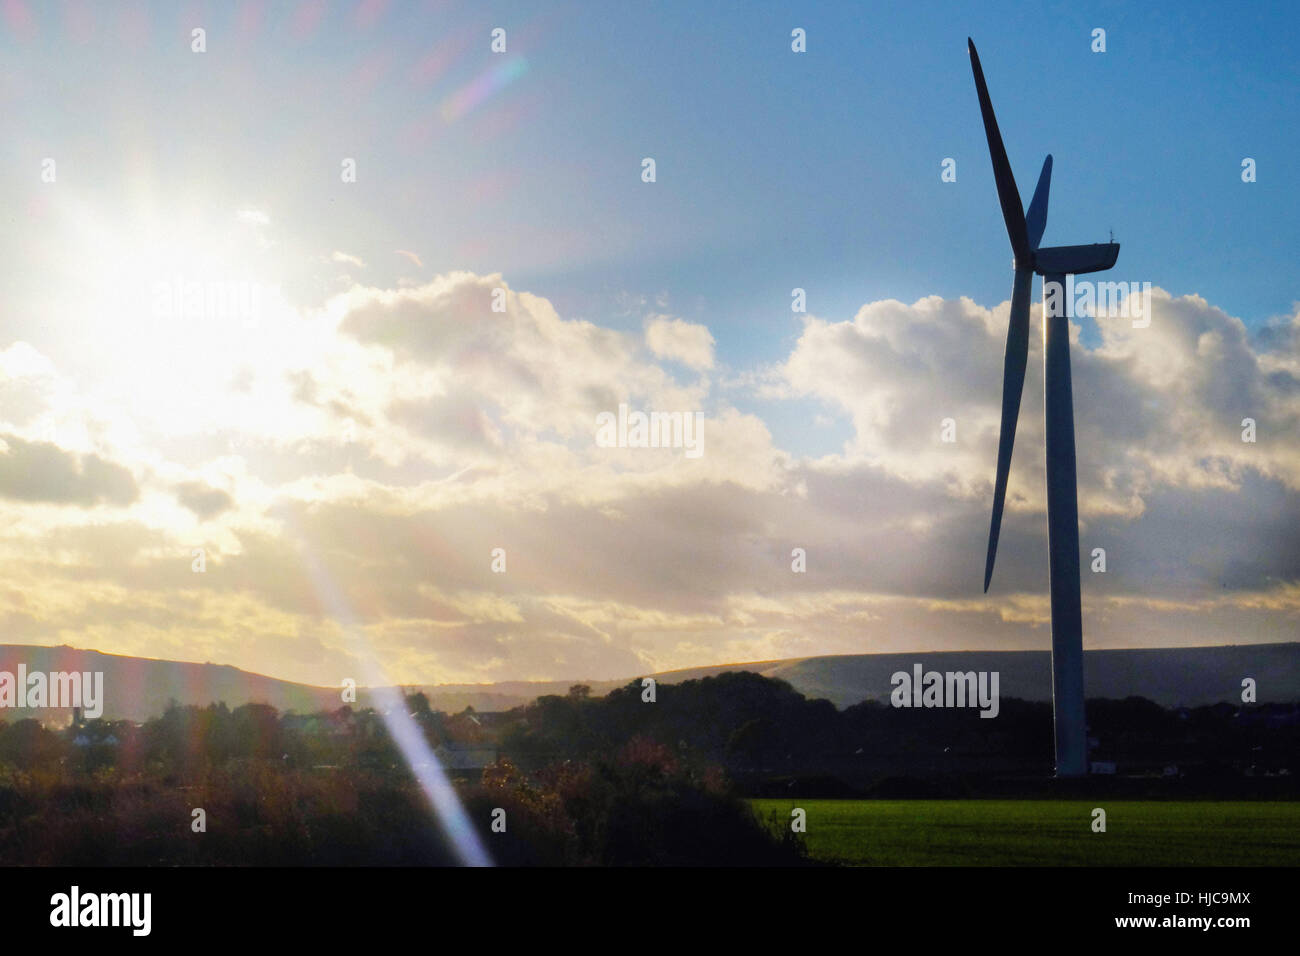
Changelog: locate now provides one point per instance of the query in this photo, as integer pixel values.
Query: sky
(249, 310)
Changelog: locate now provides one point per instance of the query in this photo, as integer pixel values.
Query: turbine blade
(1013, 385)
(1013, 211)
(1036, 218)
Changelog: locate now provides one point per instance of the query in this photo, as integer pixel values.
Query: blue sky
(775, 170)
(819, 168)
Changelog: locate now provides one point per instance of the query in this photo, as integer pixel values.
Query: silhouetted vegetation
(759, 729)
(583, 780)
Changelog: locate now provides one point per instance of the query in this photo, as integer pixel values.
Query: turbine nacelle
(1075, 260)
(1069, 260)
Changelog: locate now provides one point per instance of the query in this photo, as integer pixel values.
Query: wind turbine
(1053, 264)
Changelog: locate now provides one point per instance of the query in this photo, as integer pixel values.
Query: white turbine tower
(1053, 264)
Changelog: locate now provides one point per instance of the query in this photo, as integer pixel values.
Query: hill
(139, 688)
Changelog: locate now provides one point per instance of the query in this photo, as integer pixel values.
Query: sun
(177, 309)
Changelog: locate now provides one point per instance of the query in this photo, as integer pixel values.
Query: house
(458, 757)
(1103, 766)
(86, 738)
(328, 724)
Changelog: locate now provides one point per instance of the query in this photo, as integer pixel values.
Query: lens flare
(406, 733)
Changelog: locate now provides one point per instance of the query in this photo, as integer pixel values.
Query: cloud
(530, 370)
(381, 458)
(204, 501)
(449, 419)
(1154, 407)
(685, 342)
(44, 472)
(346, 259)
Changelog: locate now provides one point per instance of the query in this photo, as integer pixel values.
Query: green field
(1044, 832)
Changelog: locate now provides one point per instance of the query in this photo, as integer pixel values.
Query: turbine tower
(1053, 264)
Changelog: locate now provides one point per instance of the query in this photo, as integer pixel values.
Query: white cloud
(682, 341)
(346, 259)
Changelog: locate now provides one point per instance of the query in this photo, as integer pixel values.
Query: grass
(1044, 832)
